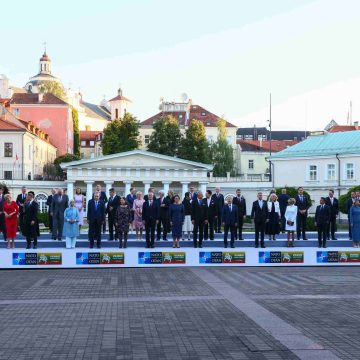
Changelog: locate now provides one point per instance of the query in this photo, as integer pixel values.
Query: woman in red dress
(11, 211)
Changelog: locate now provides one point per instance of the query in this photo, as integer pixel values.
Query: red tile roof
(120, 97)
(88, 135)
(256, 145)
(342, 128)
(8, 126)
(25, 99)
(196, 113)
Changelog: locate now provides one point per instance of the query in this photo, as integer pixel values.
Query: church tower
(45, 64)
(119, 105)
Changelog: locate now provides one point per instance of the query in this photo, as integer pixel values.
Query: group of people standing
(197, 215)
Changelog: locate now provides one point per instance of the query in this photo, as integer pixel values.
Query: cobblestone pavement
(180, 313)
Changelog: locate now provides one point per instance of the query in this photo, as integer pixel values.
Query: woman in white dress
(79, 204)
(290, 218)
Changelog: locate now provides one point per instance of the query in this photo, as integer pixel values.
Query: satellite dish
(184, 97)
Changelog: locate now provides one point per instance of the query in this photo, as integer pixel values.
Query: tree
(75, 117)
(222, 153)
(194, 146)
(58, 171)
(166, 136)
(121, 135)
(54, 88)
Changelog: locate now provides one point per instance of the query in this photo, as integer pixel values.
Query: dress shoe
(305, 238)
(225, 246)
(334, 239)
(54, 238)
(241, 238)
(232, 246)
(200, 246)
(59, 239)
(263, 246)
(256, 246)
(28, 247)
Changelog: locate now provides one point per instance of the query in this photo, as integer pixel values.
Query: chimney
(40, 97)
(356, 124)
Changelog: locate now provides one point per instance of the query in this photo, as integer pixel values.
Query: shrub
(43, 218)
(344, 198)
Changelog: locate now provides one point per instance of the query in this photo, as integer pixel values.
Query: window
(248, 137)
(16, 111)
(203, 113)
(147, 139)
(116, 113)
(83, 142)
(41, 200)
(349, 171)
(92, 143)
(8, 149)
(251, 165)
(330, 172)
(313, 172)
(210, 138)
(180, 116)
(240, 137)
(8, 175)
(262, 137)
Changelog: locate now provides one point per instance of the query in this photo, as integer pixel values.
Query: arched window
(41, 200)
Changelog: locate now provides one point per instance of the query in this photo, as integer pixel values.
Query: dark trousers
(209, 227)
(150, 232)
(232, 229)
(28, 241)
(112, 227)
(58, 224)
(301, 225)
(331, 228)
(95, 233)
(3, 225)
(164, 221)
(239, 228)
(50, 223)
(259, 232)
(123, 235)
(217, 221)
(104, 226)
(283, 222)
(198, 228)
(322, 234)
(350, 233)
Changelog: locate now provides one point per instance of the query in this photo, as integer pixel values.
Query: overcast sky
(226, 55)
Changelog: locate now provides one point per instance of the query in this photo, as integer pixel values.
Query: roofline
(307, 157)
(137, 151)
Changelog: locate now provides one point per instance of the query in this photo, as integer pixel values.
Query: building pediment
(137, 159)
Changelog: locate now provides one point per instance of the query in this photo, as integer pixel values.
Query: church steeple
(45, 63)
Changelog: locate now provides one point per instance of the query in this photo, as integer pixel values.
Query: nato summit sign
(343, 257)
(281, 257)
(222, 257)
(161, 257)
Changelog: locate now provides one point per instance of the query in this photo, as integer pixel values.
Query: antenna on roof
(44, 43)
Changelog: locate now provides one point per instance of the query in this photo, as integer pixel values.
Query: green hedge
(344, 198)
(43, 218)
(292, 192)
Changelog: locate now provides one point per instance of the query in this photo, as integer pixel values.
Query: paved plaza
(180, 313)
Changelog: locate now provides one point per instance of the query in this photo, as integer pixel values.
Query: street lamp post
(270, 138)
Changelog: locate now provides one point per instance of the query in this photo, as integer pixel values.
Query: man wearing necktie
(229, 218)
(150, 216)
(240, 202)
(59, 203)
(95, 219)
(20, 200)
(111, 207)
(218, 199)
(322, 218)
(333, 204)
(199, 217)
(259, 214)
(303, 205)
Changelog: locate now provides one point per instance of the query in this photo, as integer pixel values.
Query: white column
(146, 187)
(127, 187)
(70, 189)
(108, 186)
(89, 190)
(166, 186)
(185, 187)
(203, 187)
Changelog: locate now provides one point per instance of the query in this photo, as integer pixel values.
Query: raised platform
(52, 254)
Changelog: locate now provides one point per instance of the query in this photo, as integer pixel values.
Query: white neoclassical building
(138, 168)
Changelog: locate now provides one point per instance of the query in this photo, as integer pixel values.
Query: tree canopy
(166, 136)
(121, 135)
(54, 88)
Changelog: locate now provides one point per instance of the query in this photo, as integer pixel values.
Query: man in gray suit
(58, 205)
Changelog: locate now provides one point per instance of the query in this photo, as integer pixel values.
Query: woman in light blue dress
(355, 223)
(71, 225)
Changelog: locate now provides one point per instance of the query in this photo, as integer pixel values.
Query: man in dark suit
(230, 217)
(150, 215)
(151, 190)
(259, 213)
(322, 219)
(95, 219)
(2, 214)
(349, 204)
(198, 218)
(20, 200)
(164, 215)
(303, 205)
(218, 198)
(333, 204)
(31, 224)
(111, 207)
(48, 204)
(102, 198)
(212, 215)
(240, 202)
(58, 205)
(193, 193)
(283, 203)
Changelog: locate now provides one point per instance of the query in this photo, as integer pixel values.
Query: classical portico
(137, 168)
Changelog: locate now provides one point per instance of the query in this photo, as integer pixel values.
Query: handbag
(289, 222)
